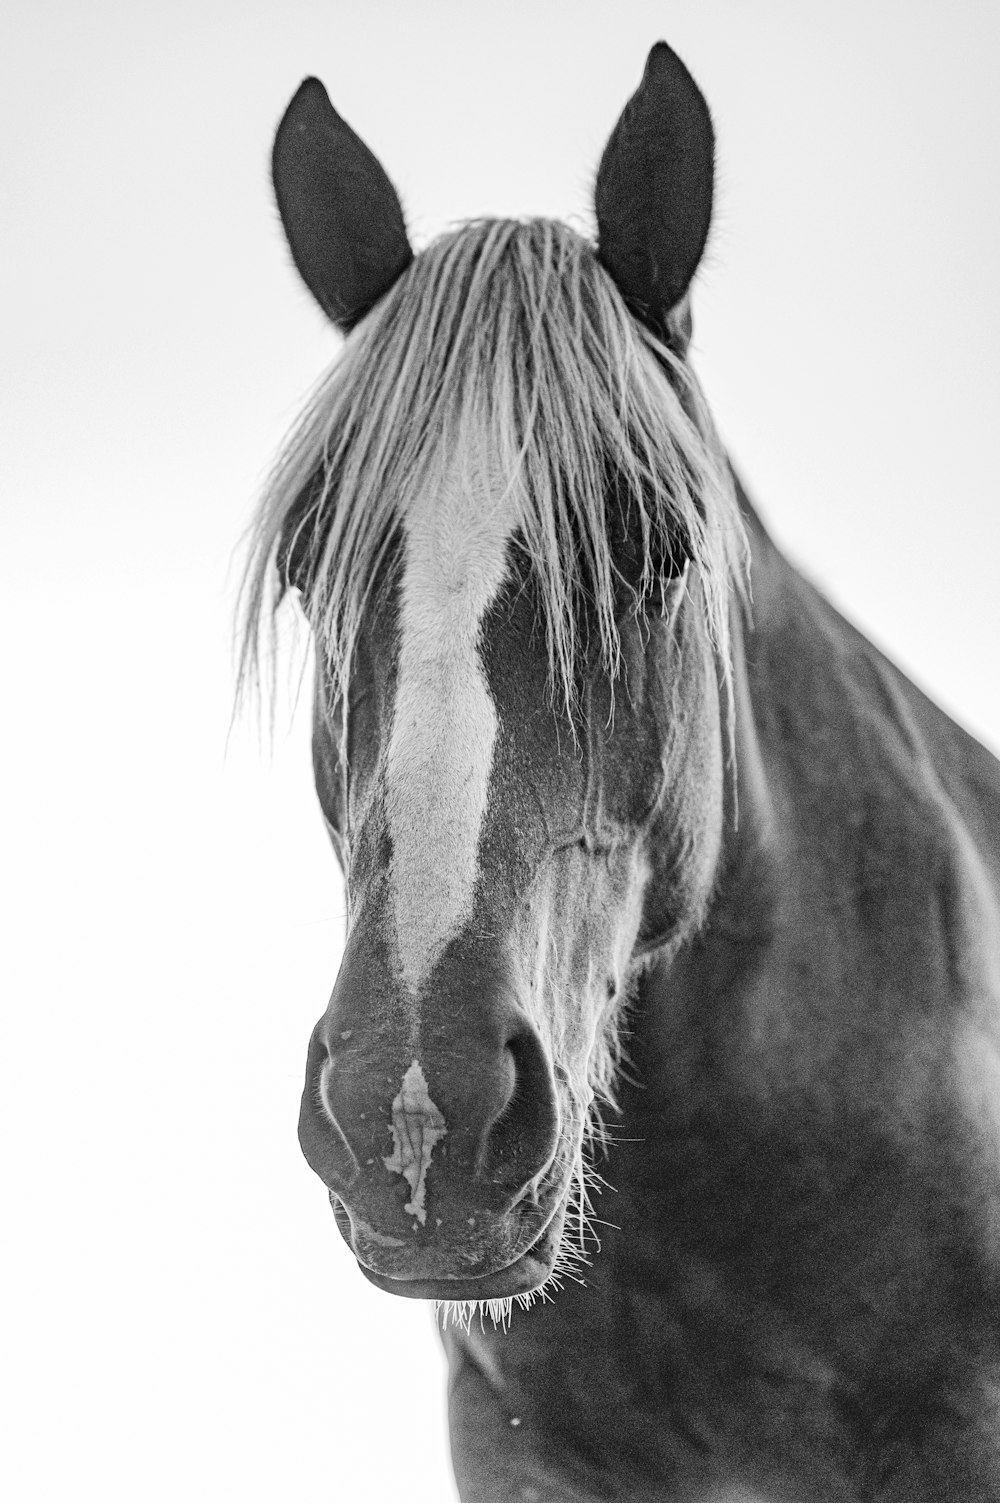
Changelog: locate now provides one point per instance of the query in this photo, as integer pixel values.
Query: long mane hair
(514, 330)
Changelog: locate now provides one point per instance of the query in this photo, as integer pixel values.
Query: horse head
(511, 528)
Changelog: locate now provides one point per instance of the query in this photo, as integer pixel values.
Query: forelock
(509, 333)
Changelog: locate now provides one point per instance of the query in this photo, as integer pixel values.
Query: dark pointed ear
(341, 215)
(654, 195)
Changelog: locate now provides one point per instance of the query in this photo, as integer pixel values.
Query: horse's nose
(466, 1120)
(493, 1109)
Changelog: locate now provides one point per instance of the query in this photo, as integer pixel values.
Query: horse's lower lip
(529, 1271)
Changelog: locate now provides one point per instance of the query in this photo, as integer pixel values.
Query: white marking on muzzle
(445, 725)
(417, 1126)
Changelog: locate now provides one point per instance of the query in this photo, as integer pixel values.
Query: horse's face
(505, 868)
(511, 852)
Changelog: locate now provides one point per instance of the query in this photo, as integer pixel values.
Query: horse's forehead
(444, 723)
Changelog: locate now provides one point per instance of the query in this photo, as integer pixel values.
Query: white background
(182, 1319)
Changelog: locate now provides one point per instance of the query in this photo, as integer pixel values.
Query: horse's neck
(850, 800)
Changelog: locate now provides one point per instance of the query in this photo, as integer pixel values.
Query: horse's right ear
(654, 195)
(341, 214)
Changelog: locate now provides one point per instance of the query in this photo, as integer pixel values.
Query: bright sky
(184, 1320)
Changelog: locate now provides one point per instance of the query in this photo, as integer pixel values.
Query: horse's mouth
(528, 1271)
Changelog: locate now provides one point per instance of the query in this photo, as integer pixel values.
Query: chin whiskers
(463, 1312)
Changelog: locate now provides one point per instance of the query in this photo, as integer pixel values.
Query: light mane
(513, 329)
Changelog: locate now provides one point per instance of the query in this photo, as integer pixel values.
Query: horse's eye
(633, 544)
(669, 553)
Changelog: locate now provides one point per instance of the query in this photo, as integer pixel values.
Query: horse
(659, 877)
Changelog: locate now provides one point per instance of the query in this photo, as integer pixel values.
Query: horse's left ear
(341, 214)
(654, 195)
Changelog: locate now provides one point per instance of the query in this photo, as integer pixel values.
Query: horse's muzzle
(441, 1163)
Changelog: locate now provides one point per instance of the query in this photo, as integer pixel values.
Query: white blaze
(417, 1126)
(444, 726)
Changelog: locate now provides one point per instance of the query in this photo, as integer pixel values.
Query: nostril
(521, 1140)
(525, 1073)
(509, 1086)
